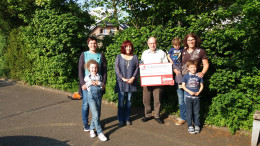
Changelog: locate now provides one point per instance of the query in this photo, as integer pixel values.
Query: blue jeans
(181, 99)
(193, 108)
(85, 108)
(124, 106)
(94, 101)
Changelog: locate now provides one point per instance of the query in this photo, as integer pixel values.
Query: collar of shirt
(196, 74)
(93, 75)
(152, 51)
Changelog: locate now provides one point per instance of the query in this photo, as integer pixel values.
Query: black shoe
(145, 119)
(158, 120)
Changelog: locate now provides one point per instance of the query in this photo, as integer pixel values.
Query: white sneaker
(102, 137)
(92, 133)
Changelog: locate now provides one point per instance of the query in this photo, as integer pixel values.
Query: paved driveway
(33, 116)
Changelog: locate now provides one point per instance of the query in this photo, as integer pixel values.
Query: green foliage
(230, 35)
(46, 51)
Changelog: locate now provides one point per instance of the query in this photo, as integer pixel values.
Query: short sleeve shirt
(192, 82)
(175, 55)
(198, 55)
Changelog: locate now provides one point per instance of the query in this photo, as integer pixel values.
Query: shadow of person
(30, 141)
(136, 114)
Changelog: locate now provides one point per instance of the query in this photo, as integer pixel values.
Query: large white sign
(156, 74)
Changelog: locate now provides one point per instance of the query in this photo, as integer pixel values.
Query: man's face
(152, 44)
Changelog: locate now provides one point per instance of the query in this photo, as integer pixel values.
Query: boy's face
(177, 46)
(192, 68)
(93, 69)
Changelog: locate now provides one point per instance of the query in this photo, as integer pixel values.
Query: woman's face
(92, 45)
(191, 42)
(128, 49)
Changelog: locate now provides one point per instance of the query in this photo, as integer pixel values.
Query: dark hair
(125, 44)
(92, 38)
(197, 40)
(176, 41)
(191, 62)
(91, 61)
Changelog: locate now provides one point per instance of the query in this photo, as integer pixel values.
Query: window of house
(101, 31)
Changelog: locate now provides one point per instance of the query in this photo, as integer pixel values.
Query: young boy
(94, 94)
(193, 85)
(174, 56)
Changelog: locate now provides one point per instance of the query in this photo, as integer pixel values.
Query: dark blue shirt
(175, 55)
(192, 83)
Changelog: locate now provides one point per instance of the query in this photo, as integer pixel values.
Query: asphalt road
(33, 116)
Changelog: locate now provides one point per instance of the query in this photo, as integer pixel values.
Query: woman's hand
(125, 80)
(103, 86)
(200, 74)
(84, 87)
(131, 80)
(177, 72)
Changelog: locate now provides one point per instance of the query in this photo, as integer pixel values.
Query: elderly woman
(191, 51)
(82, 72)
(126, 68)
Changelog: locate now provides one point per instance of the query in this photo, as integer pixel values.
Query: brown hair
(91, 61)
(92, 38)
(176, 41)
(197, 40)
(191, 62)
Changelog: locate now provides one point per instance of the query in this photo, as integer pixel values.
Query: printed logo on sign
(143, 67)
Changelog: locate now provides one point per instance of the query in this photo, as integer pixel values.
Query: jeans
(182, 101)
(124, 106)
(193, 108)
(94, 101)
(85, 108)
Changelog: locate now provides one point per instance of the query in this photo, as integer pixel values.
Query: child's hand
(197, 93)
(192, 93)
(93, 83)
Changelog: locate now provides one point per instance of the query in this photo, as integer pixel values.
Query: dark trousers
(193, 108)
(156, 92)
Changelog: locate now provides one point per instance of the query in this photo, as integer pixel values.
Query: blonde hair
(176, 41)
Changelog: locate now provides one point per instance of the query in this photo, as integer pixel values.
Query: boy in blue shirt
(174, 56)
(193, 85)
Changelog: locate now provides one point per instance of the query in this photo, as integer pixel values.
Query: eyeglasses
(192, 40)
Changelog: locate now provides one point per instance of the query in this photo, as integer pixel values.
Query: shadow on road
(136, 114)
(30, 141)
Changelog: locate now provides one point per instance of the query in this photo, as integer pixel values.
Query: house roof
(107, 23)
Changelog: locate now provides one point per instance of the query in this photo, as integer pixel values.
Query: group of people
(189, 82)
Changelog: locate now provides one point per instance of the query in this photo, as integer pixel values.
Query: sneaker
(128, 123)
(191, 130)
(180, 122)
(86, 128)
(197, 129)
(92, 133)
(102, 137)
